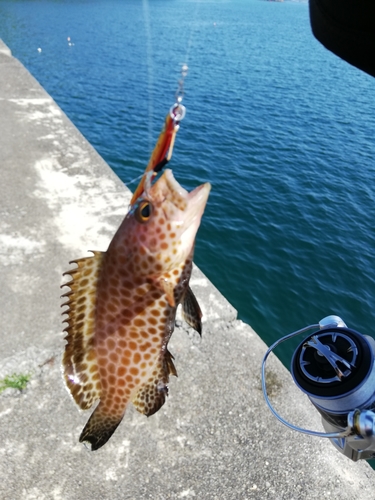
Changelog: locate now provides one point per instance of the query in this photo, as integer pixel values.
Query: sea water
(282, 128)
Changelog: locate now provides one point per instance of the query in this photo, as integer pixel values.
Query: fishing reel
(334, 366)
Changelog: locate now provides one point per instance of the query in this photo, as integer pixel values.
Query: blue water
(283, 130)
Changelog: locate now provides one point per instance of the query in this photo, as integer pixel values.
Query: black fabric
(347, 28)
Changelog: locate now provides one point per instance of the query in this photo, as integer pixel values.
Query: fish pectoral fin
(168, 288)
(151, 396)
(79, 362)
(99, 428)
(191, 311)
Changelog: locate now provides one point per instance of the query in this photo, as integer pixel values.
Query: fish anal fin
(151, 396)
(191, 311)
(79, 361)
(99, 428)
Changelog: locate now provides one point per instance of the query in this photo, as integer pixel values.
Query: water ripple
(281, 128)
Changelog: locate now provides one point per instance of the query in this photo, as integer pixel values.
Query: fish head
(163, 222)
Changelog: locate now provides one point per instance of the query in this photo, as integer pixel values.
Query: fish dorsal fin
(79, 361)
(151, 396)
(191, 311)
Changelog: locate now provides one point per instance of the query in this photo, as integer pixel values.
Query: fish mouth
(190, 204)
(176, 215)
(199, 196)
(183, 209)
(177, 194)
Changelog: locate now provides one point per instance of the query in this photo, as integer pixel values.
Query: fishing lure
(162, 152)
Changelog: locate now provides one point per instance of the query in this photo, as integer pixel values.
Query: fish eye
(143, 212)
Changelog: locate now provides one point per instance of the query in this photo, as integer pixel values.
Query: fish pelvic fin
(191, 312)
(79, 361)
(99, 428)
(166, 287)
(152, 395)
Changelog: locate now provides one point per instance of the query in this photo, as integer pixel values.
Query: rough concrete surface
(214, 437)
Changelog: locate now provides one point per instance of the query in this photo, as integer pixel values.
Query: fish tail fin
(99, 428)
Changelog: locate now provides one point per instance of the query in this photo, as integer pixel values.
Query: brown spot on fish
(139, 322)
(137, 358)
(132, 345)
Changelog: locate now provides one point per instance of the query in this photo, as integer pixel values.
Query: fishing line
(150, 76)
(149, 58)
(192, 33)
(184, 65)
(135, 179)
(150, 69)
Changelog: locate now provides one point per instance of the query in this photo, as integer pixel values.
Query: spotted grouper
(122, 307)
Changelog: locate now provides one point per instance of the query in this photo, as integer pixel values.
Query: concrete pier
(214, 438)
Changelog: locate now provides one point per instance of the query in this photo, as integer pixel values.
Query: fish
(122, 307)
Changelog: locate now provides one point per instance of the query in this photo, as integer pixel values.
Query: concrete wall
(214, 437)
